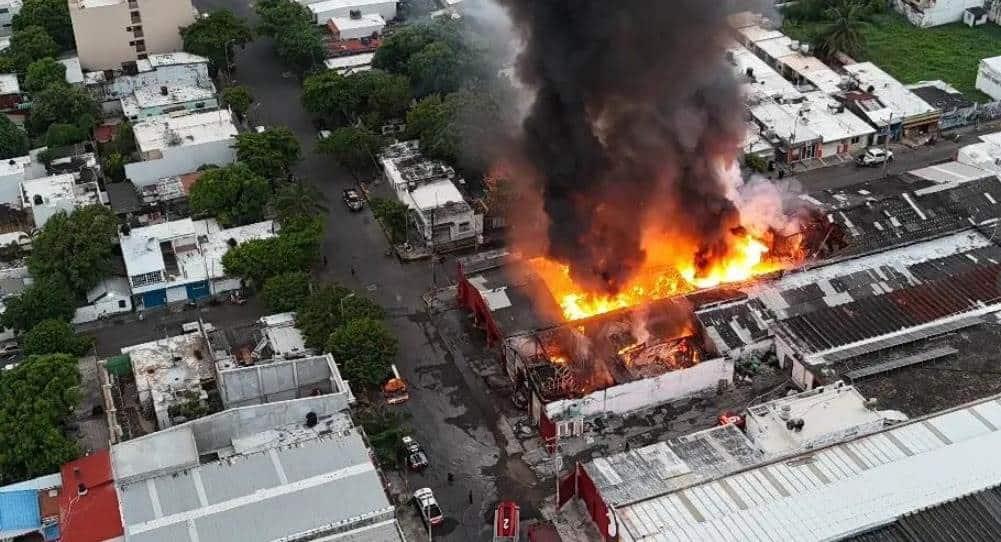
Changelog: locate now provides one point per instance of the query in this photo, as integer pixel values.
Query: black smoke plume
(635, 111)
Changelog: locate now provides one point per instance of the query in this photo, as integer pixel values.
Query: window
(142, 56)
(144, 279)
(136, 18)
(137, 32)
(4, 10)
(121, 303)
(140, 46)
(463, 227)
(856, 139)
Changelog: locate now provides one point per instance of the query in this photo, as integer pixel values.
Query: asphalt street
(447, 412)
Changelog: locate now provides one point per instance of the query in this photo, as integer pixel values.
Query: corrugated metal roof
(265, 495)
(19, 512)
(834, 491)
(974, 518)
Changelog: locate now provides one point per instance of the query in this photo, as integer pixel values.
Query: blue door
(154, 299)
(198, 290)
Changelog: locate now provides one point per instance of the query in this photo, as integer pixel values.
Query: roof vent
(11, 162)
(163, 91)
(785, 412)
(311, 419)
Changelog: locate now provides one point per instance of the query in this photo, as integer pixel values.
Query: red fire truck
(506, 519)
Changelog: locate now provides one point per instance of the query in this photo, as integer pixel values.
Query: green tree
(36, 398)
(234, 195)
(436, 69)
(238, 98)
(114, 166)
(373, 94)
(364, 350)
(844, 31)
(294, 249)
(384, 428)
(396, 50)
(393, 215)
(277, 15)
(300, 46)
(51, 15)
(320, 314)
(64, 105)
(60, 134)
(286, 292)
(76, 249)
(44, 73)
(13, 140)
(270, 153)
(355, 148)
(27, 45)
(295, 200)
(215, 36)
(46, 299)
(755, 163)
(54, 337)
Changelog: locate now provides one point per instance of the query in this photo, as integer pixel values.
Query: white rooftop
(767, 84)
(282, 335)
(163, 131)
(74, 73)
(350, 63)
(832, 121)
(813, 70)
(994, 63)
(368, 20)
(835, 491)
(950, 173)
(173, 59)
(786, 122)
(754, 33)
(51, 189)
(434, 195)
(892, 93)
(9, 84)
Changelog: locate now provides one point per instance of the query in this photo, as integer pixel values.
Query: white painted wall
(935, 12)
(104, 307)
(989, 81)
(646, 392)
(181, 160)
(324, 11)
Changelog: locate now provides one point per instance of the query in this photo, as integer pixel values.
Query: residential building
(790, 58)
(443, 218)
(8, 9)
(956, 109)
(46, 196)
(760, 82)
(172, 145)
(262, 381)
(928, 13)
(346, 65)
(31, 509)
(918, 119)
(171, 70)
(88, 503)
(324, 10)
(113, 33)
(74, 73)
(362, 26)
(151, 102)
(817, 127)
(10, 92)
(110, 297)
(281, 338)
(989, 77)
(985, 155)
(181, 261)
(876, 113)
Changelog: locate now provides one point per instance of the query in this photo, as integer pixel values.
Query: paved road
(447, 411)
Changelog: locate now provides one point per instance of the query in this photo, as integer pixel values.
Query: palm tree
(845, 30)
(295, 199)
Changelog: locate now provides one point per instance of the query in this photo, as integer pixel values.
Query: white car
(260, 129)
(323, 134)
(427, 507)
(874, 156)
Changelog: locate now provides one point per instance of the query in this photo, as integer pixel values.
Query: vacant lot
(911, 54)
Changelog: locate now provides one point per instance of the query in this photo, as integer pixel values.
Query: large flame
(668, 270)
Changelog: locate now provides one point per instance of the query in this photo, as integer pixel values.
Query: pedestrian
(470, 496)
(451, 477)
(352, 270)
(324, 261)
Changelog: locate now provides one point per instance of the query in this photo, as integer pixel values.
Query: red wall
(470, 298)
(596, 507)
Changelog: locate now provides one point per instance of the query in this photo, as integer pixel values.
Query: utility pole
(557, 466)
(886, 143)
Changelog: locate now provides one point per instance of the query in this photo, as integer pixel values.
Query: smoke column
(636, 116)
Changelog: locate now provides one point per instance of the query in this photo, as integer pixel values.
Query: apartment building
(110, 33)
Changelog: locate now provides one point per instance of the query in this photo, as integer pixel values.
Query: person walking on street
(470, 496)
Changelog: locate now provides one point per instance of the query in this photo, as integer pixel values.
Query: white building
(985, 155)
(8, 9)
(759, 81)
(917, 117)
(346, 65)
(181, 261)
(816, 127)
(74, 73)
(110, 297)
(790, 58)
(171, 70)
(928, 13)
(149, 101)
(46, 196)
(172, 145)
(324, 10)
(989, 77)
(114, 33)
(444, 218)
(349, 28)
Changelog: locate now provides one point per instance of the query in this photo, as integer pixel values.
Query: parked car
(416, 459)
(353, 199)
(873, 156)
(507, 516)
(260, 129)
(6, 349)
(323, 134)
(427, 507)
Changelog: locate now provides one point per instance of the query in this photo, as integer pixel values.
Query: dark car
(416, 458)
(353, 200)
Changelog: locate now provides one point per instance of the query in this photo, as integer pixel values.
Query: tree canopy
(215, 36)
(53, 336)
(238, 98)
(46, 299)
(63, 105)
(51, 15)
(294, 249)
(296, 200)
(436, 57)
(393, 215)
(44, 73)
(28, 45)
(13, 140)
(277, 15)
(270, 153)
(364, 350)
(234, 195)
(328, 308)
(375, 95)
(355, 148)
(36, 398)
(300, 46)
(76, 249)
(286, 292)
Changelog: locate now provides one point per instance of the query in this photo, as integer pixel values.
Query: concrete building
(110, 297)
(31, 509)
(989, 77)
(278, 379)
(350, 28)
(442, 216)
(928, 13)
(816, 127)
(181, 261)
(10, 92)
(88, 506)
(171, 70)
(281, 338)
(759, 81)
(956, 109)
(918, 119)
(324, 10)
(111, 34)
(293, 470)
(790, 58)
(46, 196)
(346, 65)
(151, 102)
(171, 145)
(74, 73)
(8, 9)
